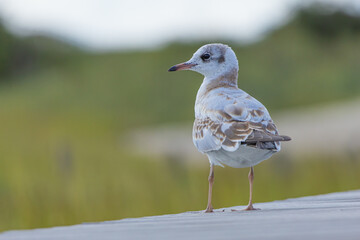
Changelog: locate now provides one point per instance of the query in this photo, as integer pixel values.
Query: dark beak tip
(172, 69)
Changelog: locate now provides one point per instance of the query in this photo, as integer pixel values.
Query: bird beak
(182, 66)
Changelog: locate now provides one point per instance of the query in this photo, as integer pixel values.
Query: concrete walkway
(330, 216)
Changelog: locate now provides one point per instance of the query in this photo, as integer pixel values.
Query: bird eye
(205, 56)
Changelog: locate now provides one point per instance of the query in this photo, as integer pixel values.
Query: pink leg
(209, 207)
(251, 179)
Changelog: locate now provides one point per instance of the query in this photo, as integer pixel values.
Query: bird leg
(209, 207)
(251, 179)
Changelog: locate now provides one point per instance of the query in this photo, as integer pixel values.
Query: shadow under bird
(231, 127)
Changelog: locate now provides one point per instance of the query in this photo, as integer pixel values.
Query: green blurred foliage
(328, 23)
(64, 110)
(16, 56)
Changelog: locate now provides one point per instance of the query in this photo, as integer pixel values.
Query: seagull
(231, 127)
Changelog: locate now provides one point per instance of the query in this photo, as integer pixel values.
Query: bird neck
(224, 81)
(227, 79)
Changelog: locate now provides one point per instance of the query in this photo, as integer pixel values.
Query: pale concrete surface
(329, 216)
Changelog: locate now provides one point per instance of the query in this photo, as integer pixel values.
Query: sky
(128, 24)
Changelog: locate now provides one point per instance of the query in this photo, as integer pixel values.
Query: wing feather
(245, 123)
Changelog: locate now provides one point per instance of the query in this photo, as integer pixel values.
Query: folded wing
(237, 124)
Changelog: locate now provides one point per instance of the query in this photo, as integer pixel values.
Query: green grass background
(63, 113)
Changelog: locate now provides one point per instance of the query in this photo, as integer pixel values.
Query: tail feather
(261, 136)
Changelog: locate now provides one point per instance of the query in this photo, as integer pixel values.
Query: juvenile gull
(231, 127)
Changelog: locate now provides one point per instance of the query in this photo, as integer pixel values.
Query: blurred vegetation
(64, 110)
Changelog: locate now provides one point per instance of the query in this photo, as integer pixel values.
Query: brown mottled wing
(263, 136)
(242, 120)
(259, 134)
(209, 135)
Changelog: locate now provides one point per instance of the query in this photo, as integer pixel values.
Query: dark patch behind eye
(221, 59)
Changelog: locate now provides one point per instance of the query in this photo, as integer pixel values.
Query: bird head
(210, 60)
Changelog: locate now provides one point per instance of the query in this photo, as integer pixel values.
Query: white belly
(243, 157)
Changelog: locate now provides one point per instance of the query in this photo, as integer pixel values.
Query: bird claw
(248, 208)
(209, 210)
